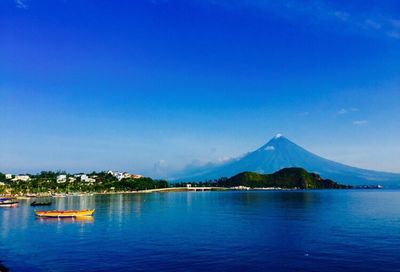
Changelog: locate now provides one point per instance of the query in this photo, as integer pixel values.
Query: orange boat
(65, 214)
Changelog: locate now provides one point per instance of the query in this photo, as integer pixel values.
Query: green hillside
(284, 178)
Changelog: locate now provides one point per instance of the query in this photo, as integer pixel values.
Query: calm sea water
(346, 230)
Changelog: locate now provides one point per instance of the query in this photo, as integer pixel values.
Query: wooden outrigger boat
(64, 214)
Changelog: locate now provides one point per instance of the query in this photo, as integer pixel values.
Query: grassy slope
(285, 178)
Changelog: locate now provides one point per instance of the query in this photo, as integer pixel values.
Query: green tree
(2, 177)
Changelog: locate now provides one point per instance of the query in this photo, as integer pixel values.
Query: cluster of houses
(122, 175)
(83, 177)
(11, 177)
(18, 177)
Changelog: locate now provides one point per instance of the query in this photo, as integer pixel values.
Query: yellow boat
(65, 214)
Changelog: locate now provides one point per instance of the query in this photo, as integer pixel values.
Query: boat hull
(34, 204)
(9, 204)
(64, 214)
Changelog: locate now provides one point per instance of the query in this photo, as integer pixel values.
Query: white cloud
(224, 159)
(344, 111)
(394, 34)
(373, 24)
(360, 122)
(369, 21)
(343, 16)
(21, 4)
(161, 167)
(396, 23)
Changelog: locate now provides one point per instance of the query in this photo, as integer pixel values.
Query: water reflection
(215, 231)
(289, 198)
(83, 219)
(73, 203)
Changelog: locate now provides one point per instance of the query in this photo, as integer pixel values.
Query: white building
(86, 178)
(22, 178)
(61, 178)
(71, 179)
(135, 176)
(9, 176)
(240, 188)
(118, 175)
(123, 175)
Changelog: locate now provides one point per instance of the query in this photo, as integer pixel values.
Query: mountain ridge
(279, 153)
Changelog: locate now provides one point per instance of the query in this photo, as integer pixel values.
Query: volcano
(281, 153)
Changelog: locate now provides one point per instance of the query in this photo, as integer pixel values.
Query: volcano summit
(280, 153)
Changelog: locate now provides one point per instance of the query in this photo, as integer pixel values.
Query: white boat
(8, 202)
(59, 195)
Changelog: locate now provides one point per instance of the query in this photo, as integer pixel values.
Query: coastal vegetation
(3, 189)
(50, 182)
(2, 177)
(284, 178)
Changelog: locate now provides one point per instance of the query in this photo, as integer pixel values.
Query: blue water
(333, 230)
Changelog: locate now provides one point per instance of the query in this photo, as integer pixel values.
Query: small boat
(35, 203)
(59, 195)
(65, 214)
(8, 203)
(31, 195)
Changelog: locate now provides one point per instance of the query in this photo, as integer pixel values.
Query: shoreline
(159, 190)
(147, 191)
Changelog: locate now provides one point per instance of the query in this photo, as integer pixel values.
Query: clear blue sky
(150, 86)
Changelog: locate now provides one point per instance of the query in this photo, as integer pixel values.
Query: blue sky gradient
(150, 86)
